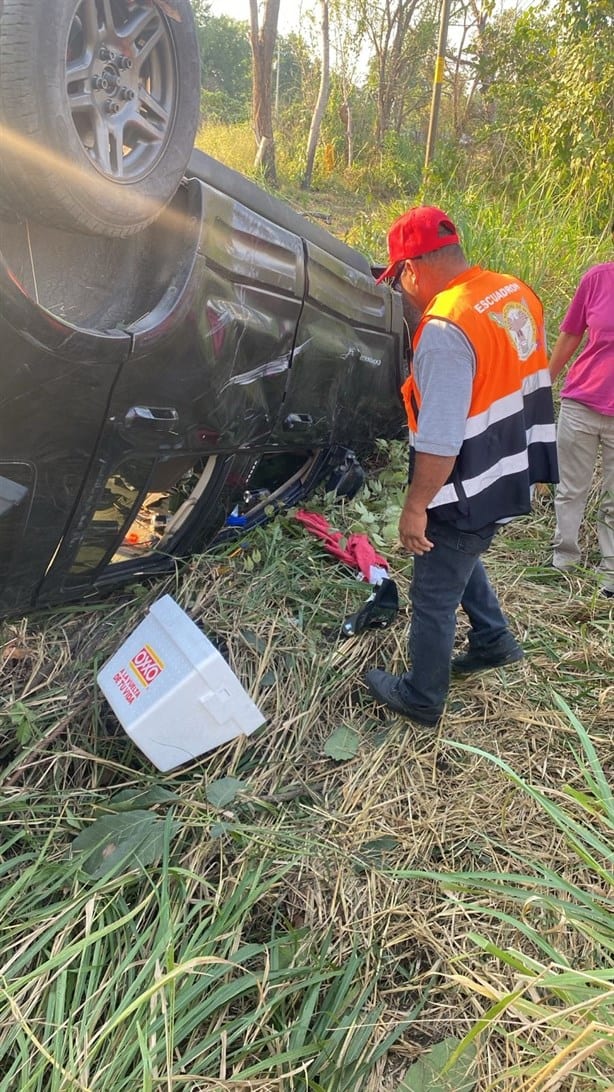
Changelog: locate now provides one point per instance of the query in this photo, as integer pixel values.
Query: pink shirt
(590, 379)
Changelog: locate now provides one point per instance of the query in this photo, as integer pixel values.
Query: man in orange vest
(481, 419)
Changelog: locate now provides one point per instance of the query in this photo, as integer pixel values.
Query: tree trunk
(345, 113)
(262, 40)
(322, 101)
(348, 29)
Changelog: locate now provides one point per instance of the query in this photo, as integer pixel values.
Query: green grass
(232, 144)
(554, 921)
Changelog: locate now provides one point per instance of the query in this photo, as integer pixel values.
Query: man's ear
(409, 270)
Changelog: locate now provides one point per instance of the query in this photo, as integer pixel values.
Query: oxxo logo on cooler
(146, 665)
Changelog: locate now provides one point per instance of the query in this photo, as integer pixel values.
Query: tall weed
(545, 995)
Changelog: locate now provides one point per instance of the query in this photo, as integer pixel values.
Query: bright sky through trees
(289, 12)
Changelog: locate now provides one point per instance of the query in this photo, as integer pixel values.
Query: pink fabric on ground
(354, 550)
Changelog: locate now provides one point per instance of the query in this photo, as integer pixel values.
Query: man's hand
(430, 473)
(412, 530)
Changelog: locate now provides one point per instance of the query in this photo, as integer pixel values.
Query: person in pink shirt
(586, 419)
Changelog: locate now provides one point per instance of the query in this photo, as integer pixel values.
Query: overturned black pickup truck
(179, 350)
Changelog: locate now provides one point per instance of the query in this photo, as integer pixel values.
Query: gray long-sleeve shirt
(444, 366)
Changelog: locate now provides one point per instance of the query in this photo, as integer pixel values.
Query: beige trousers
(580, 433)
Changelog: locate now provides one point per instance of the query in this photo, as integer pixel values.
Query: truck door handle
(153, 418)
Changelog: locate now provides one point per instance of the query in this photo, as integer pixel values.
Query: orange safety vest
(510, 440)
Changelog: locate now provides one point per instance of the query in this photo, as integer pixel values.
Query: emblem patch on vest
(519, 325)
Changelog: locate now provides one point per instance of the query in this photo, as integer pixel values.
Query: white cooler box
(173, 692)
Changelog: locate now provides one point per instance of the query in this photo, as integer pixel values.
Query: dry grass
(346, 837)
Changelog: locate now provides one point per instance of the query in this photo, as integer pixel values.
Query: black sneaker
(476, 660)
(385, 688)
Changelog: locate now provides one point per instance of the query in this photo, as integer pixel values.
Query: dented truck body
(228, 356)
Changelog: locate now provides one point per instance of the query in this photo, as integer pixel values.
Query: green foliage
(578, 120)
(298, 71)
(546, 82)
(395, 169)
(232, 144)
(23, 722)
(223, 791)
(441, 1070)
(545, 911)
(530, 99)
(375, 511)
(361, 105)
(343, 744)
(218, 108)
(128, 839)
(514, 61)
(225, 61)
(140, 977)
(582, 16)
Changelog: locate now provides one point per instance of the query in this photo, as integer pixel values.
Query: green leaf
(129, 799)
(131, 838)
(343, 744)
(390, 532)
(371, 853)
(376, 846)
(223, 791)
(253, 640)
(23, 721)
(438, 1071)
(218, 830)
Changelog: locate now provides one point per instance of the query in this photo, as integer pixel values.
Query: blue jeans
(449, 575)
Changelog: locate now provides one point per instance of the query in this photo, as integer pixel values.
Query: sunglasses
(400, 266)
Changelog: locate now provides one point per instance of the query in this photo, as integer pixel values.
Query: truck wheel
(99, 106)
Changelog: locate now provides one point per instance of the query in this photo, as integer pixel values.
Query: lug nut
(102, 83)
(112, 107)
(126, 93)
(107, 82)
(124, 62)
(106, 54)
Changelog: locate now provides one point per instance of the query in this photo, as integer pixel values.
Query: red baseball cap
(419, 231)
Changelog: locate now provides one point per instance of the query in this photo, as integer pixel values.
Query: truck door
(200, 392)
(55, 384)
(344, 386)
